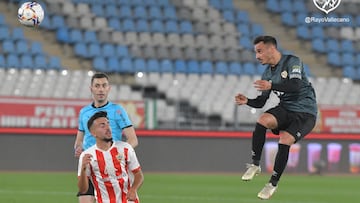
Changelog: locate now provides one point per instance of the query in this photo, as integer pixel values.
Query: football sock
(280, 163)
(258, 140)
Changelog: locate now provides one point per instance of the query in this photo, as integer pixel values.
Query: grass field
(186, 188)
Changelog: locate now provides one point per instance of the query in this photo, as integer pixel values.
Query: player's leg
(265, 121)
(301, 124)
(89, 196)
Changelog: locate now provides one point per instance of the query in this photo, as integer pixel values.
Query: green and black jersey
(290, 84)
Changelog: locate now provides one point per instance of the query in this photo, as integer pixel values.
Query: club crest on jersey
(119, 156)
(327, 5)
(284, 74)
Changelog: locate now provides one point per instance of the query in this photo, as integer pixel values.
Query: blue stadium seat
(80, 49)
(114, 23)
(163, 3)
(286, 5)
(40, 61)
(58, 21)
(126, 66)
(153, 65)
(357, 59)
(62, 35)
(94, 50)
(349, 72)
(227, 4)
(169, 13)
(242, 17)
(142, 25)
(139, 65)
(156, 26)
(12, 61)
(318, 45)
(75, 36)
(149, 3)
(2, 20)
(54, 63)
(4, 33)
(221, 68)
(140, 12)
(235, 68)
(125, 12)
(122, 51)
(26, 61)
(332, 45)
(346, 46)
(334, 59)
(17, 33)
(36, 48)
(273, 6)
(166, 66)
(90, 37)
(300, 18)
(206, 67)
(288, 19)
(256, 29)
(155, 13)
(303, 32)
(347, 59)
(171, 26)
(21, 47)
(185, 27)
(113, 64)
(111, 11)
(249, 68)
(108, 50)
(243, 29)
(215, 3)
(260, 68)
(229, 16)
(128, 25)
(180, 66)
(97, 9)
(8, 47)
(99, 64)
(317, 32)
(246, 43)
(193, 66)
(299, 6)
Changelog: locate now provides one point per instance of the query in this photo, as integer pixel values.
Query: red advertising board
(54, 113)
(338, 119)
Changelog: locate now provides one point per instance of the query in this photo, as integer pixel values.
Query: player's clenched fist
(240, 99)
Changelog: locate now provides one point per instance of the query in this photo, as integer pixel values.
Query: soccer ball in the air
(30, 14)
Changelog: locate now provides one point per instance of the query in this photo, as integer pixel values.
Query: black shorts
(90, 191)
(298, 124)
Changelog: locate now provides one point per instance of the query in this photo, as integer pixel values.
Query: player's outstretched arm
(78, 143)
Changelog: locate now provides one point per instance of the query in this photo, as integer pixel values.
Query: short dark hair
(99, 75)
(100, 114)
(266, 40)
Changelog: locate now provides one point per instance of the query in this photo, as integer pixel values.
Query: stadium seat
(54, 63)
(221, 68)
(2, 61)
(244, 29)
(193, 67)
(40, 62)
(113, 64)
(57, 22)
(99, 64)
(62, 35)
(94, 50)
(125, 12)
(8, 47)
(80, 49)
(110, 11)
(21, 47)
(97, 9)
(139, 12)
(108, 50)
(139, 65)
(169, 13)
(249, 68)
(156, 26)
(26, 61)
(229, 16)
(171, 26)
(128, 25)
(36, 48)
(332, 45)
(206, 67)
(76, 36)
(235, 68)
(334, 59)
(318, 45)
(242, 17)
(349, 72)
(155, 13)
(4, 33)
(303, 32)
(288, 19)
(347, 59)
(346, 46)
(180, 66)
(166, 66)
(142, 25)
(12, 61)
(90, 37)
(17, 33)
(126, 66)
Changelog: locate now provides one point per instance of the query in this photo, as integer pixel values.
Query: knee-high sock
(280, 163)
(258, 140)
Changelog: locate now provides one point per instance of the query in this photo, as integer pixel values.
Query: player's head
(100, 88)
(265, 49)
(98, 125)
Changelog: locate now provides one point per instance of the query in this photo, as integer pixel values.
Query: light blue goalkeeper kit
(117, 116)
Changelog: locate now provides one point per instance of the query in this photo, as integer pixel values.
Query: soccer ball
(30, 14)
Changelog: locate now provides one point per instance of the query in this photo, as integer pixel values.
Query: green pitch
(186, 188)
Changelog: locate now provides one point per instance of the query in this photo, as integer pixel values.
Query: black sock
(258, 140)
(280, 163)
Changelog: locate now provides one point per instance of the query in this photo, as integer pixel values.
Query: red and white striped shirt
(109, 171)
